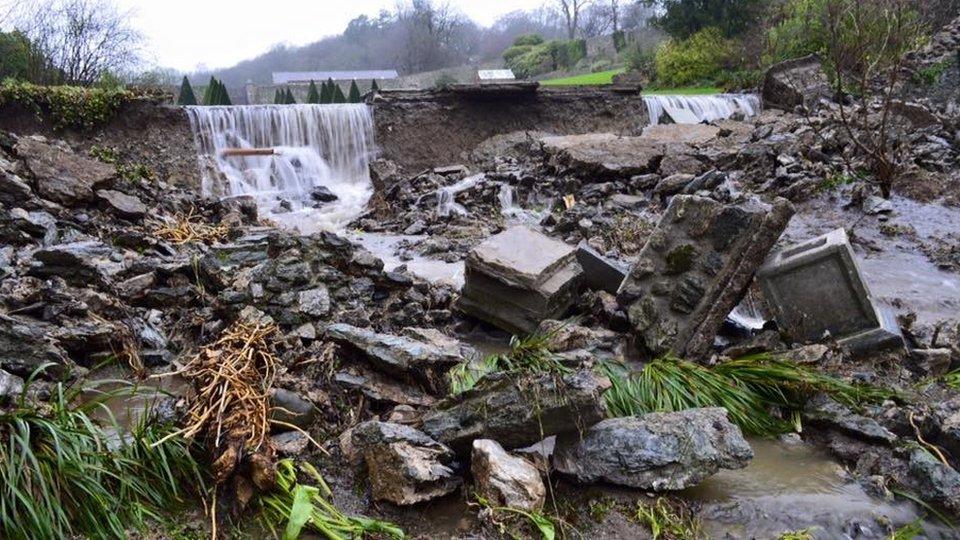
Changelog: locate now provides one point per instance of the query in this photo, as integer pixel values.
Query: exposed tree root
(185, 229)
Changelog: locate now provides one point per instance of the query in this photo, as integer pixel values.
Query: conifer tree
(324, 93)
(313, 96)
(278, 97)
(354, 92)
(224, 95)
(290, 99)
(338, 96)
(187, 96)
(374, 87)
(210, 93)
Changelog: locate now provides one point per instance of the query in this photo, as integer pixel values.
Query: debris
(796, 82)
(600, 273)
(695, 268)
(824, 411)
(405, 466)
(186, 229)
(517, 411)
(656, 451)
(505, 480)
(815, 289)
(61, 175)
(125, 206)
(518, 278)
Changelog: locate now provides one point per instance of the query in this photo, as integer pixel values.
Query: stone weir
(426, 128)
(416, 129)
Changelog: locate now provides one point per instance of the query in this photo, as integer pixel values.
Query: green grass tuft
(667, 522)
(530, 354)
(749, 388)
(303, 507)
(64, 474)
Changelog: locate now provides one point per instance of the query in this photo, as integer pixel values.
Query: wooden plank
(246, 152)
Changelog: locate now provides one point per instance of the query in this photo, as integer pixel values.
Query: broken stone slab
(695, 268)
(824, 411)
(796, 82)
(314, 302)
(656, 451)
(382, 388)
(520, 257)
(505, 480)
(27, 345)
(61, 175)
(11, 387)
(603, 155)
(121, 204)
(816, 290)
(599, 272)
(673, 134)
(400, 356)
(405, 465)
(518, 411)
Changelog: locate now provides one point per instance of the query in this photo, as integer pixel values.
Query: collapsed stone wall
(419, 129)
(142, 132)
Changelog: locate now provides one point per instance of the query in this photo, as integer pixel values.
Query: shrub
(530, 60)
(600, 65)
(68, 107)
(516, 51)
(741, 79)
(800, 32)
(529, 39)
(535, 61)
(699, 59)
(642, 60)
(619, 40)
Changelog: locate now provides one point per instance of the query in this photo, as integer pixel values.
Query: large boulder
(405, 465)
(61, 175)
(518, 411)
(657, 451)
(603, 155)
(695, 268)
(796, 82)
(505, 480)
(79, 263)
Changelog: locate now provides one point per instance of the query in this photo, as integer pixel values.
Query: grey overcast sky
(184, 34)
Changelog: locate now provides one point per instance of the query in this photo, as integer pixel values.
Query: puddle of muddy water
(386, 246)
(795, 486)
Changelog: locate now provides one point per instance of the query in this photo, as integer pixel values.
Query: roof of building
(284, 77)
(496, 75)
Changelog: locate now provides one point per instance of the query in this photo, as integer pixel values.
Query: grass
(545, 525)
(952, 379)
(529, 354)
(64, 474)
(750, 388)
(303, 507)
(599, 78)
(667, 522)
(802, 534)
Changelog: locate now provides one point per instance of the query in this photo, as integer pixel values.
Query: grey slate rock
(121, 204)
(824, 411)
(657, 451)
(599, 272)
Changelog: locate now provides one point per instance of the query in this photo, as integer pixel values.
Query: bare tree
(571, 11)
(82, 39)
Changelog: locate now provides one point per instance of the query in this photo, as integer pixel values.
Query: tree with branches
(571, 10)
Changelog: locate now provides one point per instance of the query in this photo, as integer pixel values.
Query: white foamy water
(314, 145)
(698, 109)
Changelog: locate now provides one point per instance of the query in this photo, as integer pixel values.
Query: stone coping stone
(816, 289)
(521, 257)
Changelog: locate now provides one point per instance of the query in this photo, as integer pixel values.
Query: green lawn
(606, 77)
(588, 79)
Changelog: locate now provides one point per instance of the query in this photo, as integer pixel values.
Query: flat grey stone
(126, 206)
(520, 256)
(599, 272)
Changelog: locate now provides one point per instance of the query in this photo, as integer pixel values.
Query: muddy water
(796, 486)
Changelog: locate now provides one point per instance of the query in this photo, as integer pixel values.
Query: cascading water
(697, 109)
(314, 146)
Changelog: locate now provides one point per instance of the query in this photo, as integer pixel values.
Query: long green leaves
(63, 473)
(308, 507)
(530, 354)
(750, 388)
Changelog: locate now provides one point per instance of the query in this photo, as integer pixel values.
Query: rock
(600, 273)
(323, 194)
(26, 345)
(290, 408)
(932, 362)
(796, 82)
(61, 175)
(673, 184)
(399, 356)
(291, 443)
(518, 278)
(382, 388)
(874, 205)
(603, 155)
(30, 225)
(686, 133)
(505, 480)
(824, 411)
(79, 263)
(657, 451)
(384, 174)
(11, 387)
(695, 268)
(405, 465)
(13, 190)
(121, 204)
(314, 302)
(937, 482)
(518, 411)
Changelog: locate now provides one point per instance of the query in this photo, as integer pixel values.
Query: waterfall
(697, 109)
(447, 196)
(314, 146)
